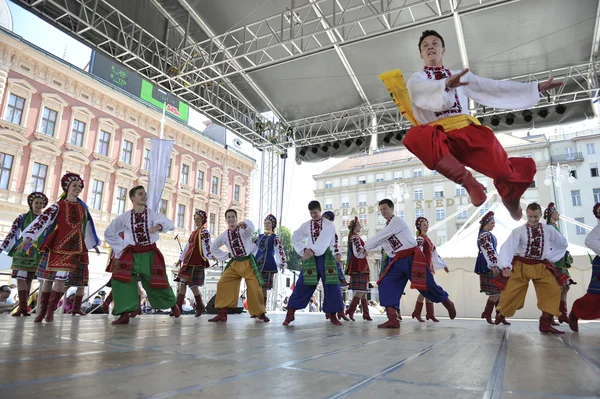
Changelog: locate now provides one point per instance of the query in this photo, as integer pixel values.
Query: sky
(48, 38)
(299, 184)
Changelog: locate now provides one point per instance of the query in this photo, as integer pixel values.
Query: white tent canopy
(464, 244)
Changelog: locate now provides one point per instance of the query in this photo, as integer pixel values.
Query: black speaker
(210, 307)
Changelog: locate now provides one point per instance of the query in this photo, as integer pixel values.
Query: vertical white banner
(160, 154)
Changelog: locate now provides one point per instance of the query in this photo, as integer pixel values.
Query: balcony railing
(574, 157)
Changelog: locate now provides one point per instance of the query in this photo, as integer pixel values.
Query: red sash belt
(124, 265)
(418, 278)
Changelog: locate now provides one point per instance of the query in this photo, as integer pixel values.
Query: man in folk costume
(24, 264)
(314, 241)
(588, 306)
(433, 258)
(405, 262)
(136, 254)
(486, 265)
(357, 267)
(446, 138)
(70, 232)
(336, 251)
(551, 216)
(238, 240)
(269, 254)
(527, 255)
(193, 261)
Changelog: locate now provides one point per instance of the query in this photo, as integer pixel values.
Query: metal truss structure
(104, 27)
(271, 185)
(198, 71)
(357, 121)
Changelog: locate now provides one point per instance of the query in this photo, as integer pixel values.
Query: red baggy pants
(474, 146)
(587, 307)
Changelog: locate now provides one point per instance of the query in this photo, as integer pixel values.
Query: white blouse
(542, 242)
(592, 241)
(237, 241)
(141, 236)
(316, 235)
(431, 101)
(394, 237)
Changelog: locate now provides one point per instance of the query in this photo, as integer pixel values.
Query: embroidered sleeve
(279, 250)
(41, 223)
(357, 246)
(206, 244)
(437, 260)
(13, 235)
(487, 249)
(336, 247)
(185, 249)
(420, 243)
(395, 226)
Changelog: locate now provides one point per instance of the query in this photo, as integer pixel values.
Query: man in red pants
(446, 138)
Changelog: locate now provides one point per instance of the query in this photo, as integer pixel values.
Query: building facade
(55, 118)
(356, 185)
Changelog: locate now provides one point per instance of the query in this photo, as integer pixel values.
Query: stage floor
(159, 357)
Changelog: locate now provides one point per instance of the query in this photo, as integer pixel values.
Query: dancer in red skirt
(446, 138)
(434, 259)
(358, 270)
(588, 306)
(70, 232)
(193, 261)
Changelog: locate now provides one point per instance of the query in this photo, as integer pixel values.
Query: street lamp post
(398, 192)
(557, 175)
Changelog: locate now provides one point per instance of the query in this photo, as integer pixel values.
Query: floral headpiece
(68, 179)
(273, 220)
(35, 195)
(549, 211)
(488, 217)
(202, 215)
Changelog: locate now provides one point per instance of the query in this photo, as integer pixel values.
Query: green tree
(293, 259)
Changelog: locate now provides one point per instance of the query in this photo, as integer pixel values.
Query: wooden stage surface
(159, 357)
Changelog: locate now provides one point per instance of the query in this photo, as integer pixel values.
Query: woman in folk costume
(24, 264)
(193, 261)
(588, 306)
(486, 265)
(269, 254)
(336, 251)
(434, 262)
(70, 233)
(358, 270)
(552, 217)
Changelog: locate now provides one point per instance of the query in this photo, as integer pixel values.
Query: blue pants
(332, 303)
(341, 275)
(393, 284)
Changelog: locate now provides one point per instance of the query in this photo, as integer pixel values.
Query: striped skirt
(359, 282)
(192, 276)
(44, 274)
(486, 286)
(268, 278)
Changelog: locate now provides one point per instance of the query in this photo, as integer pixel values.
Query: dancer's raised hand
(454, 81)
